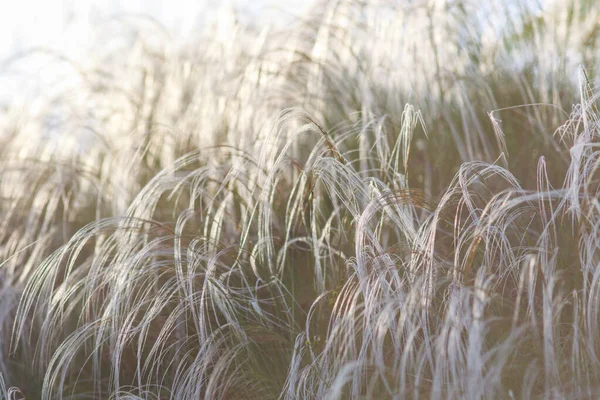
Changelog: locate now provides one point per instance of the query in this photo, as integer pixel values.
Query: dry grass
(380, 200)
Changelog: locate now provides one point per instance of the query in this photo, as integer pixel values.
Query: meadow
(380, 199)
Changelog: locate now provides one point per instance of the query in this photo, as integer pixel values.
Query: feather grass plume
(380, 200)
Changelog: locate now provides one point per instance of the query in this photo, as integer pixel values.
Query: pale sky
(66, 25)
(72, 28)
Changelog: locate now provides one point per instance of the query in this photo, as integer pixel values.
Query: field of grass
(382, 199)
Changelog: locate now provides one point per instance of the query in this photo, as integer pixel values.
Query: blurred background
(73, 28)
(68, 25)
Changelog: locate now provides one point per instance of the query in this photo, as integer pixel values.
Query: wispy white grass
(381, 200)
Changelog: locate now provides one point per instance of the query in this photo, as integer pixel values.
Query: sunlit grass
(380, 200)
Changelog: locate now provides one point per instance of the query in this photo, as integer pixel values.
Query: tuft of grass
(379, 200)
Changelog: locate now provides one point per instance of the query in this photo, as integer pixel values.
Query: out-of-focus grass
(381, 200)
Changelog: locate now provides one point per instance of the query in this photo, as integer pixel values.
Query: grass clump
(380, 200)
